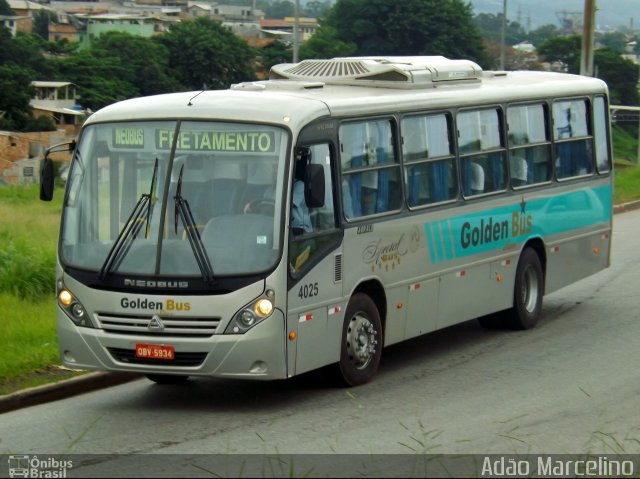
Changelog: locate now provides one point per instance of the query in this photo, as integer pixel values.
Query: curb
(624, 207)
(63, 389)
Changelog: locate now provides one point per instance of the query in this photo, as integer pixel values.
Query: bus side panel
(396, 314)
(422, 307)
(571, 259)
(316, 309)
(466, 293)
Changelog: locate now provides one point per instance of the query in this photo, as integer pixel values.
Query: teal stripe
(432, 253)
(446, 238)
(438, 241)
(497, 228)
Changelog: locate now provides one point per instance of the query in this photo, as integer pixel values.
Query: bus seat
(223, 192)
(260, 183)
(239, 242)
(519, 171)
(477, 179)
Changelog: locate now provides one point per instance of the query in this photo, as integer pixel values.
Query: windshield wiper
(183, 211)
(131, 228)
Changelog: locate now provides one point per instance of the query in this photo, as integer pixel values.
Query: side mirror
(46, 180)
(47, 175)
(314, 186)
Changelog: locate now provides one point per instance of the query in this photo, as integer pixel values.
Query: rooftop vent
(390, 72)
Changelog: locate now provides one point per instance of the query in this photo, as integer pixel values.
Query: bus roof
(294, 99)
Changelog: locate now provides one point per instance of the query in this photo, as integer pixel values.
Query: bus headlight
(251, 314)
(73, 308)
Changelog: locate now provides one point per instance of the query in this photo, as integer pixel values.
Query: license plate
(155, 351)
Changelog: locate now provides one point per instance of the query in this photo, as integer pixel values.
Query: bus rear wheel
(527, 297)
(528, 291)
(361, 347)
(167, 378)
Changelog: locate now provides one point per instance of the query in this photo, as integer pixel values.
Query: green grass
(28, 336)
(625, 145)
(28, 235)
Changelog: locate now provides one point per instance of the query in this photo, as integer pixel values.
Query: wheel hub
(361, 341)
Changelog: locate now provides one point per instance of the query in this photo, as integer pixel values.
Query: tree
(616, 41)
(490, 26)
(325, 44)
(563, 49)
(145, 61)
(540, 34)
(5, 9)
(17, 112)
(280, 9)
(98, 77)
(273, 54)
(410, 27)
(204, 54)
(620, 74)
(316, 9)
(41, 20)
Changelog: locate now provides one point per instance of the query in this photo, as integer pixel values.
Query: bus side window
(482, 154)
(574, 151)
(370, 168)
(314, 238)
(429, 163)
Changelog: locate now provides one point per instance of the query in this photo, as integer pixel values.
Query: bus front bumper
(260, 353)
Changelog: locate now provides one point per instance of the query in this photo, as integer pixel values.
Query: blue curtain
(497, 171)
(439, 181)
(355, 180)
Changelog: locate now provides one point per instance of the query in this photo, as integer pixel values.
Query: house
(283, 28)
(24, 12)
(58, 101)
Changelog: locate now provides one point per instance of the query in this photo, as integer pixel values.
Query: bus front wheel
(361, 347)
(528, 291)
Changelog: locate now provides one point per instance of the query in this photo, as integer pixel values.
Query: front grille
(180, 359)
(138, 325)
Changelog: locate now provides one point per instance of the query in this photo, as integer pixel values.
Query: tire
(167, 378)
(528, 292)
(362, 343)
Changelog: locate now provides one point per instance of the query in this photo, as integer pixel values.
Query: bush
(26, 271)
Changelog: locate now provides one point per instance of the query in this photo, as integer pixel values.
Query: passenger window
(573, 148)
(529, 147)
(429, 174)
(482, 155)
(600, 123)
(370, 169)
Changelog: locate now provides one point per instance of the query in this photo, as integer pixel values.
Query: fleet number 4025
(308, 290)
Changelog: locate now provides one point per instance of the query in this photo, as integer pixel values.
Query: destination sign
(240, 141)
(193, 140)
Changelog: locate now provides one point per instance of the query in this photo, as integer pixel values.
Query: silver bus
(316, 217)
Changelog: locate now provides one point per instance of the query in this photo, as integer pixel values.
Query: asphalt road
(570, 386)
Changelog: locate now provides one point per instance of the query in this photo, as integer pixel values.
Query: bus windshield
(168, 198)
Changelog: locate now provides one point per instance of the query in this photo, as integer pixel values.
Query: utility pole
(586, 59)
(504, 35)
(296, 27)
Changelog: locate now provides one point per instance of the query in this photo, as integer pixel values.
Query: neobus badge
(128, 137)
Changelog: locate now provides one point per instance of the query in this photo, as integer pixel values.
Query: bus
(314, 218)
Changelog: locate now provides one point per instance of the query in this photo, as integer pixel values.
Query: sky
(611, 13)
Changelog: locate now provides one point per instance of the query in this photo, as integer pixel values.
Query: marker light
(65, 298)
